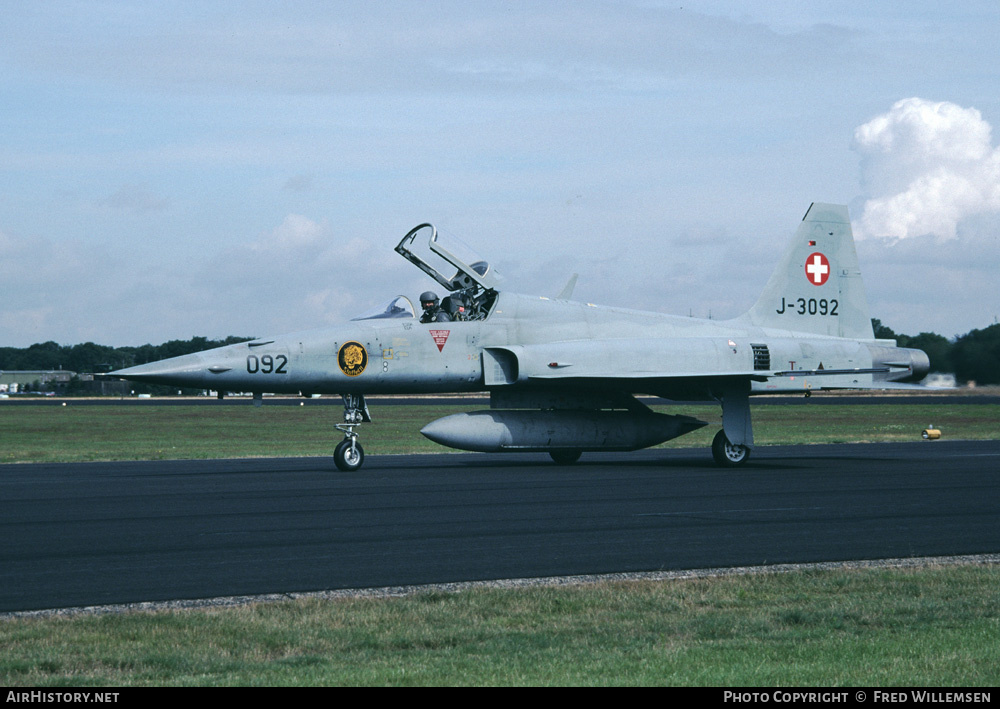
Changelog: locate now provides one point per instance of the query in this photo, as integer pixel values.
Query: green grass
(89, 433)
(932, 626)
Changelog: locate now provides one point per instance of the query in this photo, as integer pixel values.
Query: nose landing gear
(349, 455)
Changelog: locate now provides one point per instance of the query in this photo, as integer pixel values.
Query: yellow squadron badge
(352, 358)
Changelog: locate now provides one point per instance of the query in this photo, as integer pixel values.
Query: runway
(105, 533)
(942, 398)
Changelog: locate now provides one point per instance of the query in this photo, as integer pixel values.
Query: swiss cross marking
(440, 337)
(817, 268)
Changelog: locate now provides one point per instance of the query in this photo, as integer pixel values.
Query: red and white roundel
(817, 268)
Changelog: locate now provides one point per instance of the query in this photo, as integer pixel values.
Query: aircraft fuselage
(528, 342)
(563, 375)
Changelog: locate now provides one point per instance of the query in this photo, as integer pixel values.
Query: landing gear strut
(732, 445)
(349, 455)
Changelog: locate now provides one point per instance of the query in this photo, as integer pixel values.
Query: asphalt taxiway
(106, 533)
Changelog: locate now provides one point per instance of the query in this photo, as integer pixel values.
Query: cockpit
(470, 293)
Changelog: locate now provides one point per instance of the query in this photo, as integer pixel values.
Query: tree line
(90, 358)
(974, 356)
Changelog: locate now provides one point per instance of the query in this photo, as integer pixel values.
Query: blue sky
(211, 168)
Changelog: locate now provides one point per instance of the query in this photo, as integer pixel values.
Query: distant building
(15, 380)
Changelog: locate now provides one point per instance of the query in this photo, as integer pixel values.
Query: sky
(181, 169)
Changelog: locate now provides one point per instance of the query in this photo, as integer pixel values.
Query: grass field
(881, 628)
(89, 433)
(935, 626)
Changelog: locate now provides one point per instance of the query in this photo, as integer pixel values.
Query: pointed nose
(186, 370)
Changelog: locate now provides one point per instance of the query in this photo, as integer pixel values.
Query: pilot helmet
(428, 299)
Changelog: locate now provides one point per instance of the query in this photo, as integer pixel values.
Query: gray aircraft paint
(810, 329)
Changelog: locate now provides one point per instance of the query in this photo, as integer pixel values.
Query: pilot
(432, 308)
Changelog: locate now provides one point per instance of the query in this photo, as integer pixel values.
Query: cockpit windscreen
(398, 307)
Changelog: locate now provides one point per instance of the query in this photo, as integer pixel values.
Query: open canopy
(437, 260)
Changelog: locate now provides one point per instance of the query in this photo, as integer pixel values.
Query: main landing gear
(349, 455)
(728, 454)
(732, 445)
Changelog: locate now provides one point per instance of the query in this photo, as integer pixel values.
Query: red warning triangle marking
(440, 337)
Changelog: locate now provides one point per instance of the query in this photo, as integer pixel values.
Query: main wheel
(347, 457)
(565, 457)
(727, 454)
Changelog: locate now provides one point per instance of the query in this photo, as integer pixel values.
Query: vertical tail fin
(817, 286)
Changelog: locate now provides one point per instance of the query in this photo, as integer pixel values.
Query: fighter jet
(563, 376)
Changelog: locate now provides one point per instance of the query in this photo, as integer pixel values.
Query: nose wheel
(349, 455)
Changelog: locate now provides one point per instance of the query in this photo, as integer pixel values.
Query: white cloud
(294, 232)
(927, 166)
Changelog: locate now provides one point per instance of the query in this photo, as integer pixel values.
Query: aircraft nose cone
(139, 373)
(186, 370)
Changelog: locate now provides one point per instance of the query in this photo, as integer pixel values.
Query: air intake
(761, 358)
